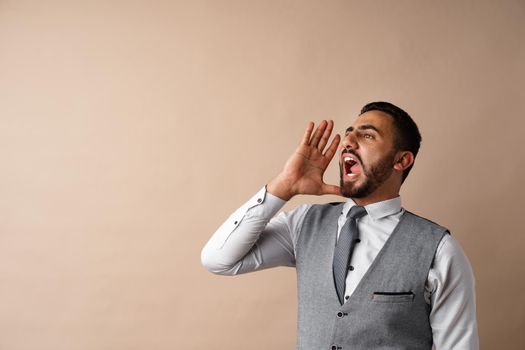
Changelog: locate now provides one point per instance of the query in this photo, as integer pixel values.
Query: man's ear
(404, 160)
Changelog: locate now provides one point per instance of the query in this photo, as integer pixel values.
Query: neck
(388, 190)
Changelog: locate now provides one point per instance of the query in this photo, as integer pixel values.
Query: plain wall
(130, 130)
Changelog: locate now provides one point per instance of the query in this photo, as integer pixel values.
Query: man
(370, 274)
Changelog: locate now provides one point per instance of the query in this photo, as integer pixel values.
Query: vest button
(333, 347)
(357, 240)
(351, 268)
(340, 314)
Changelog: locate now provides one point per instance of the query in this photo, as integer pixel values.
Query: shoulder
(319, 213)
(451, 253)
(307, 210)
(422, 221)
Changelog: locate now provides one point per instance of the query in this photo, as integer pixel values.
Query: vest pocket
(393, 297)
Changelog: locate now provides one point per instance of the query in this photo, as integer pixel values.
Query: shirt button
(235, 223)
(357, 240)
(351, 268)
(259, 200)
(347, 297)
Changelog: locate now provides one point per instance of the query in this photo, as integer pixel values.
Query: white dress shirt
(253, 239)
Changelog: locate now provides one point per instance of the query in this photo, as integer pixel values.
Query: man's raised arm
(252, 238)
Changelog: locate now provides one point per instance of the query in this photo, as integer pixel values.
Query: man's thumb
(331, 189)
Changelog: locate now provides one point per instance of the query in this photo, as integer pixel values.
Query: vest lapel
(331, 228)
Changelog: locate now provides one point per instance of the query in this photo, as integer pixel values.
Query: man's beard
(375, 176)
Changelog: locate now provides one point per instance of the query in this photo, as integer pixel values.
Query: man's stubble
(375, 175)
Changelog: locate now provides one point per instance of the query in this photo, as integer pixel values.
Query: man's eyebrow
(364, 127)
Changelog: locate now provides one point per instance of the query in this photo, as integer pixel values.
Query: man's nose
(349, 141)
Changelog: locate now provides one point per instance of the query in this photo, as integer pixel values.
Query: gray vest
(387, 309)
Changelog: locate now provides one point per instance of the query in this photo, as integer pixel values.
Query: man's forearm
(234, 239)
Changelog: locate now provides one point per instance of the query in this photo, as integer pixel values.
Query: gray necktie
(344, 247)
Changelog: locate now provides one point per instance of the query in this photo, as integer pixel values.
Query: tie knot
(356, 212)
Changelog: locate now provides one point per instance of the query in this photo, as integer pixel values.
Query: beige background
(130, 130)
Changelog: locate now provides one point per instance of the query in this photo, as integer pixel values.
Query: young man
(370, 274)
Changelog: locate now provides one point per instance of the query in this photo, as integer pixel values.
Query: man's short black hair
(407, 136)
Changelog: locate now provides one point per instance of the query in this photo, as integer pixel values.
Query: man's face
(367, 154)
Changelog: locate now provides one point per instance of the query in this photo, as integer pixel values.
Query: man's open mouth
(352, 167)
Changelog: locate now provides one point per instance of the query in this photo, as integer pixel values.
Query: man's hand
(303, 172)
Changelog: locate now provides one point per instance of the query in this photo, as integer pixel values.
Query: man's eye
(368, 136)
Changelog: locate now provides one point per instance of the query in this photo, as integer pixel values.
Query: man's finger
(333, 148)
(318, 133)
(307, 133)
(331, 189)
(326, 135)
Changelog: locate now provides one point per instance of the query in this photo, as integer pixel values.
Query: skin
(371, 137)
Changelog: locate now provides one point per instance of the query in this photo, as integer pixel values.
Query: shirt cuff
(264, 204)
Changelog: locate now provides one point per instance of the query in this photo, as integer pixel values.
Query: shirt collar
(377, 210)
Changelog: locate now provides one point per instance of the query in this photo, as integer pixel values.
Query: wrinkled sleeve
(254, 237)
